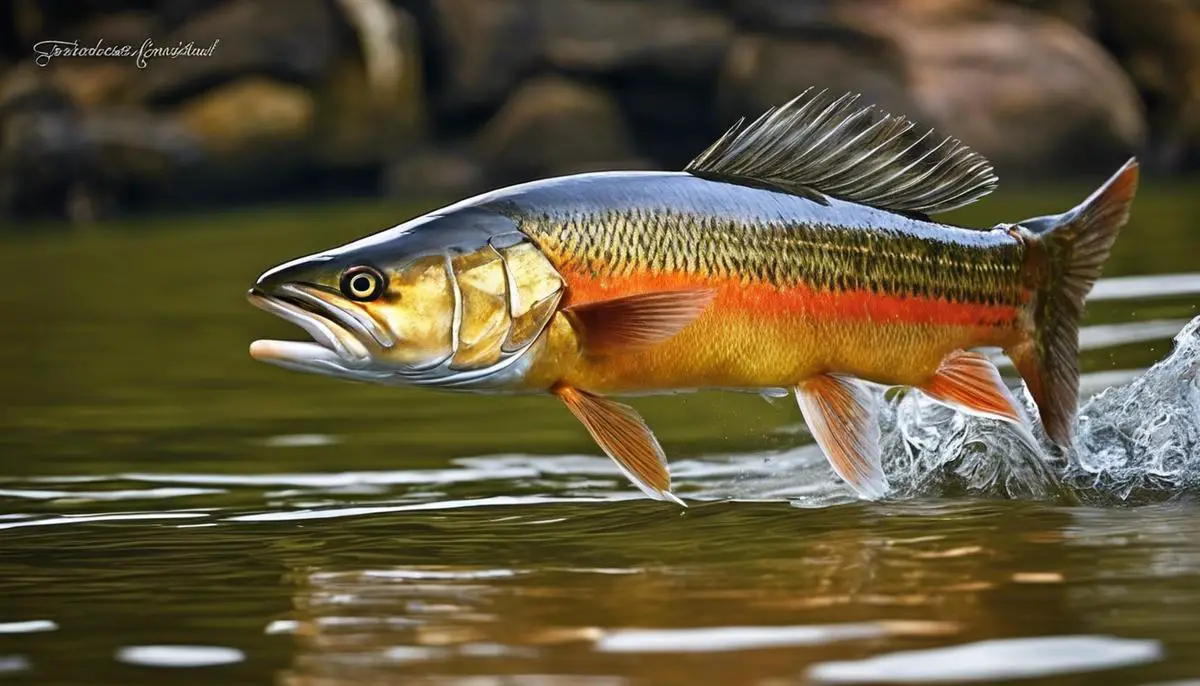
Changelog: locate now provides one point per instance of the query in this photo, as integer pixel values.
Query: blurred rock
(434, 172)
(92, 84)
(1078, 13)
(670, 119)
(1158, 44)
(42, 156)
(483, 49)
(291, 40)
(781, 15)
(373, 102)
(253, 136)
(764, 72)
(98, 81)
(553, 126)
(604, 36)
(446, 97)
(57, 161)
(250, 117)
(659, 59)
(1032, 93)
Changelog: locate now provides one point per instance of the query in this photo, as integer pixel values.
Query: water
(171, 511)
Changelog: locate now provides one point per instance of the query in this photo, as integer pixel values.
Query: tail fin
(1075, 245)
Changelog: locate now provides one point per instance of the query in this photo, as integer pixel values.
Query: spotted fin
(624, 437)
(638, 321)
(843, 416)
(832, 146)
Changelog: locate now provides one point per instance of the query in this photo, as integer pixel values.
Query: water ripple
(730, 638)
(1140, 287)
(27, 627)
(87, 519)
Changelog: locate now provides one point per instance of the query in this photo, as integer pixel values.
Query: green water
(159, 488)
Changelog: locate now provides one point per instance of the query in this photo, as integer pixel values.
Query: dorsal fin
(819, 143)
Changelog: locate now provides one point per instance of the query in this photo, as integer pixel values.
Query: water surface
(171, 511)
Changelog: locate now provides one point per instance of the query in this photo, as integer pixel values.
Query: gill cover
(464, 295)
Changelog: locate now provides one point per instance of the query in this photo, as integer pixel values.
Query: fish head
(424, 303)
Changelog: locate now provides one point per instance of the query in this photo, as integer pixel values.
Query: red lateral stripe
(769, 301)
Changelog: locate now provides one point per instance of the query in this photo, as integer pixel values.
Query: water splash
(1144, 436)
(1134, 442)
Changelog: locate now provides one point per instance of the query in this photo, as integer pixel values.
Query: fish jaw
(334, 351)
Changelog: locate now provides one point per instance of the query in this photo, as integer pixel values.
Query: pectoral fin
(969, 382)
(624, 437)
(842, 415)
(638, 321)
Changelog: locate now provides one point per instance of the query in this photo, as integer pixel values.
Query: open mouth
(339, 334)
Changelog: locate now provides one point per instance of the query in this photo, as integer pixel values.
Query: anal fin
(623, 435)
(968, 381)
(842, 414)
(638, 321)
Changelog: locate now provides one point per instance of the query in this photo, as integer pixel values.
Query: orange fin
(969, 382)
(624, 437)
(638, 321)
(842, 415)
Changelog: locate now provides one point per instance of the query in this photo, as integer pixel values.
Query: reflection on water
(179, 656)
(821, 599)
(992, 661)
(172, 511)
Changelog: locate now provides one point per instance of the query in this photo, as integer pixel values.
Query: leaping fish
(796, 253)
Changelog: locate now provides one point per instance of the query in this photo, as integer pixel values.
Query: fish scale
(819, 256)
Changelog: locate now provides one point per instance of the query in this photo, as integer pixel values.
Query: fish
(797, 254)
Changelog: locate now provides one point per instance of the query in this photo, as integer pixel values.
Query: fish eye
(362, 283)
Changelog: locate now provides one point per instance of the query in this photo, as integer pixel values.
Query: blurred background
(445, 98)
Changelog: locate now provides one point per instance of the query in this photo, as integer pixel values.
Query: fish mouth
(342, 337)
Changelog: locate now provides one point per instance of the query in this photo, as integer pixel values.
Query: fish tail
(1070, 249)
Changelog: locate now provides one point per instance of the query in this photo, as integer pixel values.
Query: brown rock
(659, 59)
(373, 102)
(251, 117)
(91, 81)
(553, 126)
(1158, 43)
(434, 173)
(293, 40)
(1030, 92)
(60, 160)
(483, 49)
(785, 16)
(92, 84)
(764, 72)
(1078, 13)
(604, 36)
